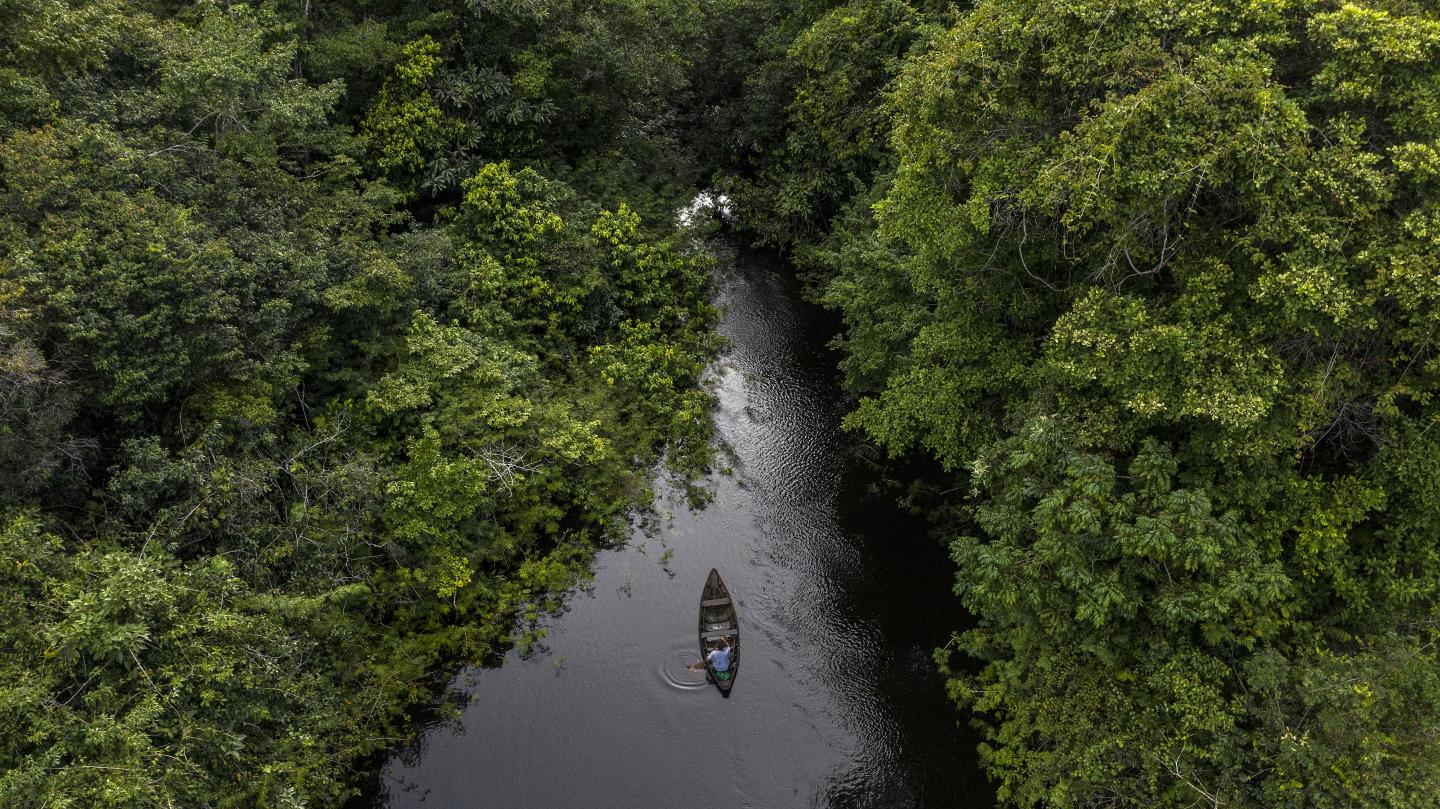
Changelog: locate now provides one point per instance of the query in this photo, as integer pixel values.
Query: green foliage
(406, 124)
(333, 342)
(829, 65)
(1146, 279)
(295, 406)
(135, 680)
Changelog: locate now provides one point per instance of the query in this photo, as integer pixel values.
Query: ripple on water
(675, 670)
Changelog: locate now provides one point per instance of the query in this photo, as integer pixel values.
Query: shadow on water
(842, 598)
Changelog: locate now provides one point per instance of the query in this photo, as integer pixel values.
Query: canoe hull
(719, 618)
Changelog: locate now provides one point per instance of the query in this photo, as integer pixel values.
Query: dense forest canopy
(336, 337)
(1155, 284)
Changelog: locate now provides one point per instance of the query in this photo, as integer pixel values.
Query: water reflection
(841, 599)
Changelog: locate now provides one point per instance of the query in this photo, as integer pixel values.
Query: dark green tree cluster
(792, 95)
(329, 350)
(1157, 283)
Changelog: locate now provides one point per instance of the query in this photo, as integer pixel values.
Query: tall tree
(1156, 280)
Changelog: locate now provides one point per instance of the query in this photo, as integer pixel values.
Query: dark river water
(842, 599)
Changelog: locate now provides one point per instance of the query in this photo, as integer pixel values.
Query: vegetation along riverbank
(335, 338)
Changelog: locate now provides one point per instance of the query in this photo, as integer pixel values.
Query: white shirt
(719, 658)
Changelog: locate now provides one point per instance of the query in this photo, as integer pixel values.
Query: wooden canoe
(719, 619)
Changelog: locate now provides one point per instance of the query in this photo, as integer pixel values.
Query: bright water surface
(841, 599)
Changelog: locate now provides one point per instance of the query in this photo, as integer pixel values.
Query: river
(842, 598)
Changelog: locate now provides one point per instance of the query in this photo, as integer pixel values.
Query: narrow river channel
(842, 598)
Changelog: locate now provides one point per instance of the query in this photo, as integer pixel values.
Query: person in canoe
(719, 660)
